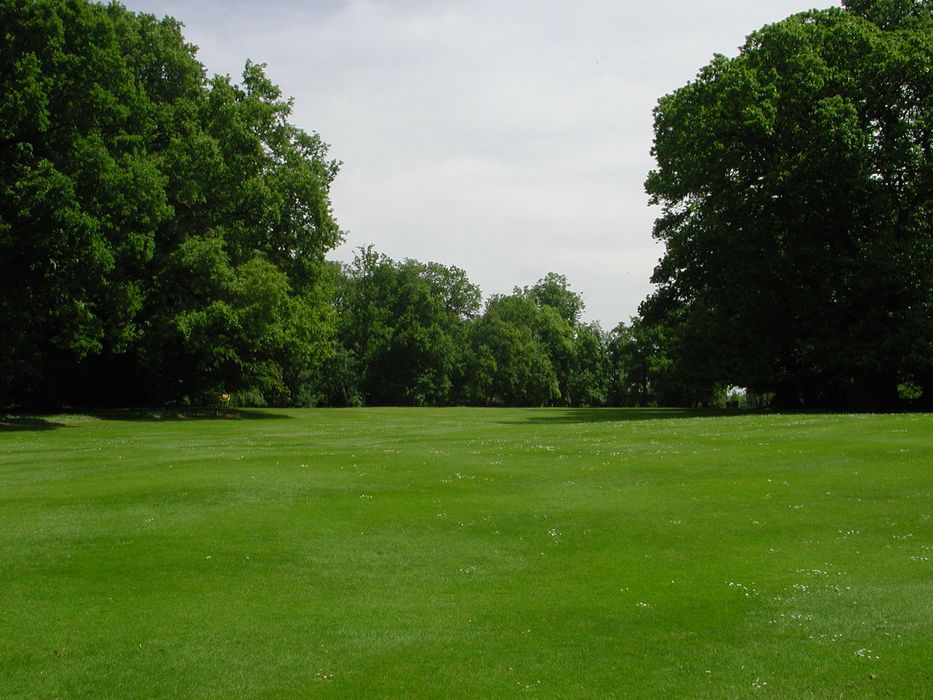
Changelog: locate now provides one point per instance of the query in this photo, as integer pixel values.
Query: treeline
(412, 333)
(163, 237)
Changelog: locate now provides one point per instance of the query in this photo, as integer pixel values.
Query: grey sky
(508, 138)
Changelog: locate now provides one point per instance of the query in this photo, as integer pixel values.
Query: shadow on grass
(618, 415)
(183, 414)
(12, 424)
(39, 423)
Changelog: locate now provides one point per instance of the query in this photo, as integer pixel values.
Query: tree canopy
(795, 182)
(161, 233)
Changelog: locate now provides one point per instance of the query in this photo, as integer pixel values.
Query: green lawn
(469, 553)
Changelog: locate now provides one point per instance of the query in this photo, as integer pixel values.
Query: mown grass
(466, 553)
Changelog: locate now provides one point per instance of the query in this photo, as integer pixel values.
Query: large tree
(161, 234)
(796, 187)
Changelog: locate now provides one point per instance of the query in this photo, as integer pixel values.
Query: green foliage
(644, 371)
(402, 332)
(410, 333)
(80, 202)
(554, 290)
(795, 185)
(530, 349)
(512, 366)
(588, 377)
(892, 14)
(161, 235)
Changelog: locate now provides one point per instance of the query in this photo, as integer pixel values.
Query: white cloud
(508, 138)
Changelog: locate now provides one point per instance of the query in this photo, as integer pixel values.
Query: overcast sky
(508, 137)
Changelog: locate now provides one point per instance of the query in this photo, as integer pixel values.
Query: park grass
(466, 553)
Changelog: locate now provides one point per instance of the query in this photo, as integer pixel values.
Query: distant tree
(530, 348)
(795, 182)
(402, 332)
(588, 381)
(643, 369)
(554, 290)
(628, 377)
(510, 364)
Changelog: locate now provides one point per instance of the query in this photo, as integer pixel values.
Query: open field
(466, 553)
